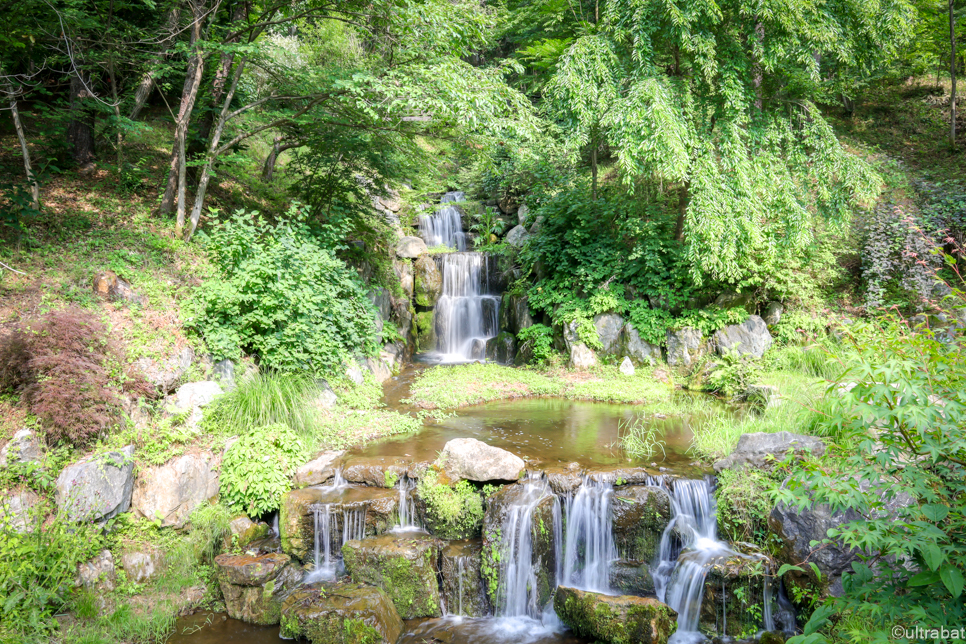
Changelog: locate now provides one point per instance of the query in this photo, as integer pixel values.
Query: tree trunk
(952, 74)
(22, 138)
(80, 130)
(683, 199)
(181, 136)
(268, 170)
(146, 86)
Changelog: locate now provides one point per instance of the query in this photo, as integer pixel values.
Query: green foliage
(733, 374)
(540, 339)
(258, 468)
(452, 512)
(266, 398)
(797, 327)
(744, 501)
(450, 387)
(488, 223)
(640, 439)
(282, 296)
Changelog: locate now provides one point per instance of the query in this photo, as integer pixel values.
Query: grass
(640, 439)
(452, 387)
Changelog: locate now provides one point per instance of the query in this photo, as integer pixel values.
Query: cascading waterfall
(407, 505)
(589, 544)
(326, 518)
(467, 313)
(444, 227)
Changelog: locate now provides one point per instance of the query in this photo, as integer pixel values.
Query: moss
(615, 620)
(451, 512)
(405, 569)
(289, 627)
(358, 632)
(391, 479)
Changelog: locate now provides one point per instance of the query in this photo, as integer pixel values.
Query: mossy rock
(462, 580)
(253, 586)
(427, 281)
(615, 619)
(640, 514)
(631, 578)
(425, 331)
(449, 511)
(405, 566)
(341, 613)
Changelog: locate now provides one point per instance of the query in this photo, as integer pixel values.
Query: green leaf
(953, 579)
(935, 512)
(786, 567)
(932, 555)
(925, 578)
(818, 619)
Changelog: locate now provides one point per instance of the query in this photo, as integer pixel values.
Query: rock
(627, 367)
(760, 396)
(582, 356)
(98, 573)
(381, 301)
(410, 247)
(224, 373)
(537, 224)
(763, 450)
(246, 531)
(564, 480)
(24, 447)
(797, 529)
(638, 350)
(404, 565)
(97, 488)
(640, 514)
(254, 586)
(522, 214)
(168, 373)
(517, 237)
(631, 578)
(731, 300)
(404, 271)
(374, 471)
(326, 398)
(425, 332)
(545, 506)
(19, 511)
(170, 492)
(773, 313)
(393, 355)
(462, 578)
(141, 566)
(380, 370)
(609, 326)
(750, 337)
(428, 281)
(501, 349)
(342, 613)
(615, 619)
(514, 313)
(196, 394)
(453, 196)
(684, 347)
(319, 470)
(109, 285)
(473, 460)
(354, 373)
(391, 201)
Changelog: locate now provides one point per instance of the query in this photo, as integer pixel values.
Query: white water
(408, 521)
(589, 545)
(444, 227)
(326, 524)
(467, 313)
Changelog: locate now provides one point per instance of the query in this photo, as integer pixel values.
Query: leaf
(932, 555)
(818, 619)
(953, 579)
(925, 578)
(935, 512)
(786, 567)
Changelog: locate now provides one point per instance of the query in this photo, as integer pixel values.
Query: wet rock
(564, 480)
(773, 313)
(639, 351)
(685, 346)
(518, 236)
(410, 247)
(763, 450)
(609, 327)
(428, 281)
(495, 546)
(111, 286)
(514, 313)
(751, 337)
(615, 619)
(582, 357)
(97, 488)
(297, 522)
(19, 511)
(342, 613)
(733, 602)
(640, 514)
(425, 331)
(379, 369)
(24, 447)
(462, 578)
(374, 471)
(246, 531)
(627, 367)
(98, 573)
(319, 470)
(166, 374)
(501, 349)
(404, 565)
(141, 566)
(255, 586)
(468, 458)
(170, 492)
(631, 578)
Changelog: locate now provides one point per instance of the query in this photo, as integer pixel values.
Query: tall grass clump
(639, 438)
(269, 398)
(815, 360)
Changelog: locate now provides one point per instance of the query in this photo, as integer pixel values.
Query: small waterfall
(407, 505)
(467, 313)
(323, 519)
(444, 227)
(326, 523)
(589, 548)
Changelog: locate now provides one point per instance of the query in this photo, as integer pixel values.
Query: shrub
(268, 398)
(452, 512)
(744, 503)
(540, 338)
(258, 468)
(283, 296)
(69, 373)
(733, 374)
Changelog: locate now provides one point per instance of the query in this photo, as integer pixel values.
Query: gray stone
(638, 350)
(468, 458)
(196, 394)
(514, 313)
(324, 615)
(428, 281)
(18, 511)
(170, 492)
(380, 370)
(522, 214)
(751, 337)
(537, 224)
(97, 488)
(761, 396)
(410, 247)
(354, 373)
(582, 356)
(98, 573)
(517, 237)
(141, 566)
(731, 300)
(684, 347)
(381, 300)
(627, 367)
(462, 579)
(501, 349)
(255, 585)
(319, 470)
(609, 326)
(166, 374)
(24, 447)
(326, 398)
(762, 449)
(631, 578)
(773, 313)
(224, 373)
(404, 271)
(639, 515)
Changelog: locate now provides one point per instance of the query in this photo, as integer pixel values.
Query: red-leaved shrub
(68, 372)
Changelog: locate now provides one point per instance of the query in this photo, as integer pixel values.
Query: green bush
(452, 512)
(257, 469)
(744, 502)
(281, 295)
(268, 398)
(540, 338)
(733, 374)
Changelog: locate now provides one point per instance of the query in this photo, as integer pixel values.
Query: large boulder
(343, 613)
(517, 237)
(502, 349)
(170, 492)
(685, 346)
(254, 586)
(763, 450)
(582, 357)
(638, 350)
(468, 458)
(425, 331)
(19, 511)
(410, 247)
(166, 374)
(196, 394)
(404, 565)
(375, 471)
(428, 281)
(639, 514)
(97, 488)
(609, 327)
(404, 271)
(320, 469)
(618, 619)
(462, 578)
(514, 313)
(751, 337)
(141, 566)
(628, 577)
(24, 447)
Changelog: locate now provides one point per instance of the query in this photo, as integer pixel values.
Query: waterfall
(589, 545)
(325, 520)
(407, 505)
(467, 313)
(444, 227)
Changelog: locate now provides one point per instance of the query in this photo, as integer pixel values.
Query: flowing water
(444, 228)
(408, 519)
(589, 544)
